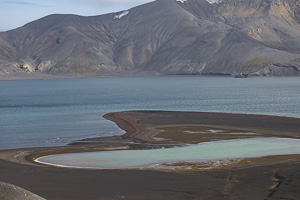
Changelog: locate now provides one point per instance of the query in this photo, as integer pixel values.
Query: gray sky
(16, 13)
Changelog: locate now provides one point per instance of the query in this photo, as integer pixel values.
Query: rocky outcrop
(9, 192)
(229, 37)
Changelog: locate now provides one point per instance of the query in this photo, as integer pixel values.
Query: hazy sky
(16, 13)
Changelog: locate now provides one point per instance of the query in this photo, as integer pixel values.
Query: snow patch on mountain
(214, 1)
(119, 16)
(182, 1)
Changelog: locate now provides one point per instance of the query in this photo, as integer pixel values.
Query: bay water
(36, 113)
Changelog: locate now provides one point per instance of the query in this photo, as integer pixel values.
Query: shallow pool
(218, 150)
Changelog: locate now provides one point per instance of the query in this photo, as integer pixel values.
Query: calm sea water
(56, 112)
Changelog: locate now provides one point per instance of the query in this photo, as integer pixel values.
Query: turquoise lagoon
(217, 150)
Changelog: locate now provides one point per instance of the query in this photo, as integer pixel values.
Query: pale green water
(240, 148)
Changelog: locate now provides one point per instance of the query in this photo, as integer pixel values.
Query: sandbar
(271, 177)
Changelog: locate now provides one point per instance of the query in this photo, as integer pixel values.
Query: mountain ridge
(164, 37)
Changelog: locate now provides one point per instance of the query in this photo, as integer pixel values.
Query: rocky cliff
(205, 37)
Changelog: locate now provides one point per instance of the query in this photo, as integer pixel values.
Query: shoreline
(43, 76)
(145, 125)
(270, 175)
(140, 135)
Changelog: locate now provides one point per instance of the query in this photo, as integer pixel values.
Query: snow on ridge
(119, 16)
(214, 1)
(209, 1)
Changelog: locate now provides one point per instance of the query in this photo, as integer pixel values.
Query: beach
(270, 177)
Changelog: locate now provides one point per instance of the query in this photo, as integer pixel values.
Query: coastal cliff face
(205, 37)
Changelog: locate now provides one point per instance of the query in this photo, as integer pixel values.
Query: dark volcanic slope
(255, 37)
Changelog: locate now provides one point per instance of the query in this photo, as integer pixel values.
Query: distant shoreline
(82, 76)
(36, 76)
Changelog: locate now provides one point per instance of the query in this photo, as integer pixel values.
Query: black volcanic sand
(275, 177)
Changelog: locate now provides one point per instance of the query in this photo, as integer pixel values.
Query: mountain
(205, 37)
